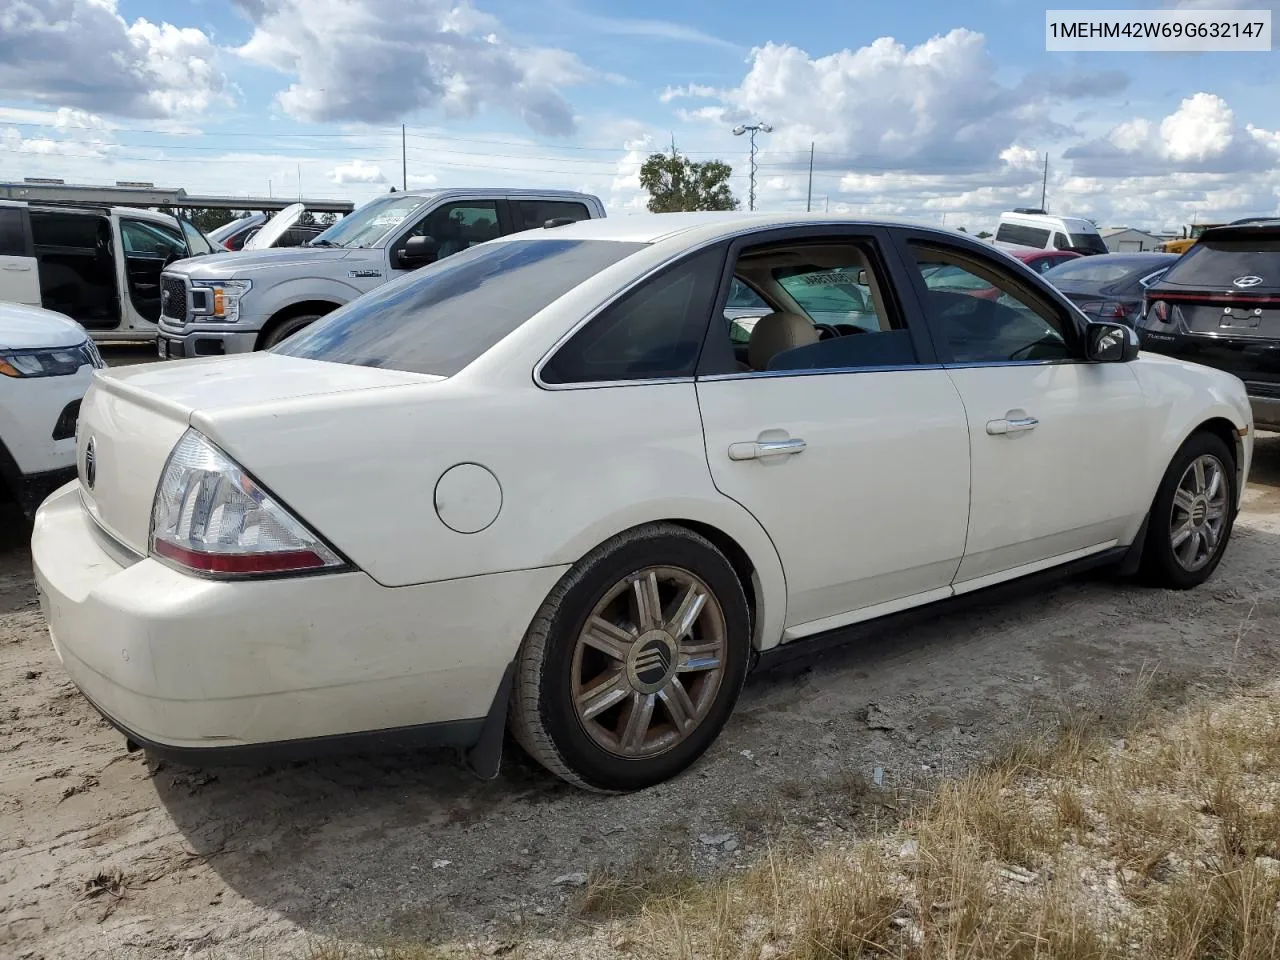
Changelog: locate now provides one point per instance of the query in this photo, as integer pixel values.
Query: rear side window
(65, 230)
(655, 331)
(1219, 263)
(1022, 235)
(439, 319)
(13, 240)
(532, 214)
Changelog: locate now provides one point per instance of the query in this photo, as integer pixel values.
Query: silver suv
(238, 302)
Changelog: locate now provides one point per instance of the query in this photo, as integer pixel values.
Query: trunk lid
(133, 416)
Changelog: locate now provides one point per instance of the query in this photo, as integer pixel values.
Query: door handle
(759, 449)
(1000, 428)
(17, 267)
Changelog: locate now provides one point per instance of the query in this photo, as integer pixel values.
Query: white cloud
(1202, 135)
(357, 171)
(380, 60)
(938, 105)
(82, 54)
(690, 90)
(1200, 129)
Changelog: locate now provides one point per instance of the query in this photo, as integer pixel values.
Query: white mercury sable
(549, 484)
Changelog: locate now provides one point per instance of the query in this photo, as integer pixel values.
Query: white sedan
(541, 484)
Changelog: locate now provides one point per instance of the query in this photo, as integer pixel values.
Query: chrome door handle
(1000, 428)
(17, 268)
(765, 448)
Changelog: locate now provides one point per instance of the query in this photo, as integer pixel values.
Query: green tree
(676, 183)
(983, 234)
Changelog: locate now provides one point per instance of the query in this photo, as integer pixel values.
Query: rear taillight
(212, 518)
(1106, 309)
(1159, 310)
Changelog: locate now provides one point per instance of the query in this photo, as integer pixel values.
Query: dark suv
(1219, 305)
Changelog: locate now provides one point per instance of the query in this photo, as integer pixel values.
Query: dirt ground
(105, 853)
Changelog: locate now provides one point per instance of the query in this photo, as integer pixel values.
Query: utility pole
(808, 206)
(753, 129)
(1044, 187)
(299, 181)
(404, 163)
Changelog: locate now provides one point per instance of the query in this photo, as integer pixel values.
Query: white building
(1129, 240)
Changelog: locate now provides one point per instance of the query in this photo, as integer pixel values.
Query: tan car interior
(789, 327)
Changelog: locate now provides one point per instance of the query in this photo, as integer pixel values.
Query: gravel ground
(104, 853)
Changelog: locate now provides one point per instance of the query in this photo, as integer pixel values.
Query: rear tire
(1192, 515)
(287, 328)
(641, 694)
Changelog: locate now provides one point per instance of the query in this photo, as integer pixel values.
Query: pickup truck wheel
(287, 328)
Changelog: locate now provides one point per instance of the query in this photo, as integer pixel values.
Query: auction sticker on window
(1158, 30)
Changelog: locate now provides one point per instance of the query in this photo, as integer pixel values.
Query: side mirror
(418, 252)
(1110, 343)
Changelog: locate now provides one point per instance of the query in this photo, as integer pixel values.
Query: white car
(46, 363)
(537, 484)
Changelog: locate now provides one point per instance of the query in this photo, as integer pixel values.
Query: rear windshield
(442, 317)
(1219, 263)
(1091, 271)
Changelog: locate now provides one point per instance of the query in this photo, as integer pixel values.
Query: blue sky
(937, 110)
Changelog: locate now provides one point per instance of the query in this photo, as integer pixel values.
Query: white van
(1040, 231)
(99, 265)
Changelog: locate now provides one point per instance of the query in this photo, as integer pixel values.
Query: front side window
(1060, 241)
(151, 240)
(982, 315)
(654, 331)
(457, 226)
(439, 319)
(742, 309)
(827, 309)
(533, 214)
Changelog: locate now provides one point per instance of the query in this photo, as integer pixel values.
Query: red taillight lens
(212, 518)
(1113, 311)
(1161, 311)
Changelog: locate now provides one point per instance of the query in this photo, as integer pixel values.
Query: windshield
(370, 223)
(442, 317)
(1220, 263)
(1088, 241)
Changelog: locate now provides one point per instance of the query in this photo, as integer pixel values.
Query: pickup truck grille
(173, 298)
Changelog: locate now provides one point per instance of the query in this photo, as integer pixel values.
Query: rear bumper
(214, 671)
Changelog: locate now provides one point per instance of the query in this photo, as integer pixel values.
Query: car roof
(707, 226)
(1261, 229)
(428, 193)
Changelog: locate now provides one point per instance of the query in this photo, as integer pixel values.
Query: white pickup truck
(238, 302)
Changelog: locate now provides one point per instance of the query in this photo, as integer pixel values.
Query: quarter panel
(575, 468)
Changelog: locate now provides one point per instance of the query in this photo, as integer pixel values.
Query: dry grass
(1160, 841)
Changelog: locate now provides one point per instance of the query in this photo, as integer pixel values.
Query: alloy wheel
(1199, 515)
(648, 662)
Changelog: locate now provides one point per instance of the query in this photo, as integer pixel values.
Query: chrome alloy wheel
(1199, 515)
(649, 662)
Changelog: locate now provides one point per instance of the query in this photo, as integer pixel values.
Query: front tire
(287, 328)
(1192, 515)
(634, 662)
